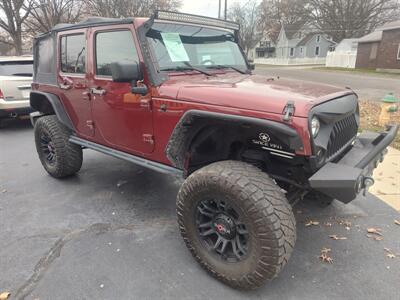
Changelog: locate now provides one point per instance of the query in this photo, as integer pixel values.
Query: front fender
(246, 129)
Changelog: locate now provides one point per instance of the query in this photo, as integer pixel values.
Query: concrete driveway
(368, 86)
(110, 233)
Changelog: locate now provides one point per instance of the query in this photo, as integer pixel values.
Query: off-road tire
(68, 156)
(263, 206)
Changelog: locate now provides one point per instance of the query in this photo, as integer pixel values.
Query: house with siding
(302, 43)
(265, 48)
(380, 49)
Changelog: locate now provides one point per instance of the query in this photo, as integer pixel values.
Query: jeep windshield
(179, 47)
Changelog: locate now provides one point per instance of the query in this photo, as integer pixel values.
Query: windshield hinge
(288, 111)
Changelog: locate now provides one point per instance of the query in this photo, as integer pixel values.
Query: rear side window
(45, 58)
(16, 68)
(114, 46)
(73, 53)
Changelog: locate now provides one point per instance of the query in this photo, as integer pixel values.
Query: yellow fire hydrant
(388, 106)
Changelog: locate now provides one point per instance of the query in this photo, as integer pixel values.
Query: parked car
(174, 93)
(15, 86)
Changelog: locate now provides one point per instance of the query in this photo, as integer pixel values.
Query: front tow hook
(367, 182)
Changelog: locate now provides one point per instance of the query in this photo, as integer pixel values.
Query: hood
(250, 92)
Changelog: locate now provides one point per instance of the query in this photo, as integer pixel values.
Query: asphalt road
(110, 233)
(368, 86)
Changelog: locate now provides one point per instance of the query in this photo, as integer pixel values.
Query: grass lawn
(369, 116)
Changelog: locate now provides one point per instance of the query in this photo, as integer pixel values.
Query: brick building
(380, 49)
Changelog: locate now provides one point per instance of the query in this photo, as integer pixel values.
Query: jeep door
(72, 79)
(123, 120)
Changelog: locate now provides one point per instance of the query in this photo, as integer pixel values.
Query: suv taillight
(1, 94)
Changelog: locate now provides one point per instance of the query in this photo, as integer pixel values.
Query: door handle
(98, 91)
(65, 86)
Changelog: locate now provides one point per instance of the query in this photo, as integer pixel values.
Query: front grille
(342, 133)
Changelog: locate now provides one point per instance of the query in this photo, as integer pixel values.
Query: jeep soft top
(175, 93)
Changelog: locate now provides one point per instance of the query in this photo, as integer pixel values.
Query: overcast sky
(207, 7)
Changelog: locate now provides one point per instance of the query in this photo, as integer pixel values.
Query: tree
(45, 14)
(275, 13)
(13, 14)
(351, 18)
(130, 8)
(248, 18)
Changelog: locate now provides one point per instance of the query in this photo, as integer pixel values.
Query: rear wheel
(236, 222)
(59, 157)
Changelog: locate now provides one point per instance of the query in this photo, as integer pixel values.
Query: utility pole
(219, 9)
(226, 8)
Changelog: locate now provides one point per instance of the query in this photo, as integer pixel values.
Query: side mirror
(252, 66)
(125, 72)
(128, 72)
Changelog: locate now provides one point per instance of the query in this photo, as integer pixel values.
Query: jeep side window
(114, 46)
(73, 53)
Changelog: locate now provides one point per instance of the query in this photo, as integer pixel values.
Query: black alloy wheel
(221, 230)
(47, 148)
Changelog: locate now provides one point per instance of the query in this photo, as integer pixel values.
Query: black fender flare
(48, 103)
(193, 121)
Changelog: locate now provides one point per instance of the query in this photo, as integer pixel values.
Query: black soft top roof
(90, 22)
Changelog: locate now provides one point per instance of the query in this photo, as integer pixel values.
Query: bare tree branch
(13, 14)
(248, 17)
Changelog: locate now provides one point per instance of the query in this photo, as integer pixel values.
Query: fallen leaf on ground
(389, 253)
(3, 191)
(324, 256)
(4, 295)
(376, 238)
(397, 222)
(325, 250)
(335, 237)
(374, 231)
(309, 223)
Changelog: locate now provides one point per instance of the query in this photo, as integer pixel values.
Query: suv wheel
(236, 222)
(58, 156)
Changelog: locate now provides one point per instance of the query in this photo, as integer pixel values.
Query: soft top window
(16, 68)
(73, 53)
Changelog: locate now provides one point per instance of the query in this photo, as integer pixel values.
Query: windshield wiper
(195, 68)
(226, 67)
(188, 67)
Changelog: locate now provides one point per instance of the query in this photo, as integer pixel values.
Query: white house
(300, 44)
(344, 56)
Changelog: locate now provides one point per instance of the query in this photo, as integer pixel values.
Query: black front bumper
(346, 178)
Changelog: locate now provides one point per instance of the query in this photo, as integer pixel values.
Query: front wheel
(236, 222)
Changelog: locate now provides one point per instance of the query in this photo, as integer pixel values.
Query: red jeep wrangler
(174, 93)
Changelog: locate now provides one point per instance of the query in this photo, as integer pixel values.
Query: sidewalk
(387, 179)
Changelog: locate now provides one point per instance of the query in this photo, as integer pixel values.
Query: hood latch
(288, 111)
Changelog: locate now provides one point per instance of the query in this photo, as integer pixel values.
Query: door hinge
(90, 124)
(148, 138)
(288, 111)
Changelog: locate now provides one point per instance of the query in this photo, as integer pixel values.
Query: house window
(291, 51)
(374, 51)
(398, 53)
(317, 51)
(318, 38)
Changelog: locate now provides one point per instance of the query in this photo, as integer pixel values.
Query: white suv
(15, 86)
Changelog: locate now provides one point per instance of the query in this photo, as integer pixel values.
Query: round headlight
(315, 125)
